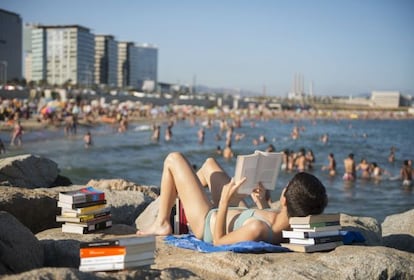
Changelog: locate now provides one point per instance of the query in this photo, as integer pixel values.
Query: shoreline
(34, 124)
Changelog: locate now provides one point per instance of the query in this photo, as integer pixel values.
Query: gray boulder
(19, 249)
(398, 231)
(367, 226)
(28, 171)
(147, 217)
(37, 208)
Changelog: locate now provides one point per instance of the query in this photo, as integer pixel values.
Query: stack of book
(116, 254)
(83, 211)
(313, 233)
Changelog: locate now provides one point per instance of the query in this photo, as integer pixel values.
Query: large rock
(128, 199)
(398, 231)
(367, 226)
(148, 216)
(37, 208)
(345, 262)
(28, 171)
(19, 249)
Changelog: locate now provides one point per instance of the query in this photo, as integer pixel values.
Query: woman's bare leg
(211, 174)
(179, 179)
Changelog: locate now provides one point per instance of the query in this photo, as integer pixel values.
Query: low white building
(386, 99)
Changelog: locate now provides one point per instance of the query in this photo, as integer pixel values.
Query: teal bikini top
(247, 214)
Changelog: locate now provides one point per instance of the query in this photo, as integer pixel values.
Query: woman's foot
(163, 228)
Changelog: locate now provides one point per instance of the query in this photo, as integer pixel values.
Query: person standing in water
(350, 169)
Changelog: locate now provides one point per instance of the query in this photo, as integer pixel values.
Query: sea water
(133, 156)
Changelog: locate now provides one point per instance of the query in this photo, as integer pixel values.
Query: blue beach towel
(189, 241)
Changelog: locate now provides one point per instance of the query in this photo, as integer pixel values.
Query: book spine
(316, 240)
(88, 197)
(132, 242)
(117, 258)
(80, 205)
(115, 266)
(313, 225)
(93, 222)
(102, 251)
(98, 226)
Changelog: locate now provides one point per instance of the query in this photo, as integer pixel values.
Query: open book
(258, 167)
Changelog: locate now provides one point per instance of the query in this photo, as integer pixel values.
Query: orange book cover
(102, 251)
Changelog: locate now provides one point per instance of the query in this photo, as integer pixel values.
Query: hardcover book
(312, 248)
(314, 225)
(115, 250)
(81, 218)
(329, 217)
(115, 265)
(132, 240)
(308, 234)
(85, 210)
(74, 228)
(117, 258)
(258, 167)
(80, 205)
(92, 222)
(316, 240)
(318, 229)
(82, 195)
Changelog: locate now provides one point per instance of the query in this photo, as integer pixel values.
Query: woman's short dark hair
(305, 195)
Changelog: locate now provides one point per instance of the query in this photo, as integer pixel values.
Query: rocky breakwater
(35, 247)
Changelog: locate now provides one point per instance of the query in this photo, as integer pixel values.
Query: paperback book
(312, 248)
(115, 265)
(83, 211)
(86, 194)
(313, 233)
(258, 167)
(115, 254)
(128, 240)
(80, 229)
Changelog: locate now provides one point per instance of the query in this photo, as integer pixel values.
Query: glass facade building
(10, 46)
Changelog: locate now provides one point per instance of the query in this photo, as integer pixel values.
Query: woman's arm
(261, 197)
(228, 191)
(254, 230)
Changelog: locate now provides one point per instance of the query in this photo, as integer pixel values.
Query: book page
(258, 167)
(268, 169)
(246, 167)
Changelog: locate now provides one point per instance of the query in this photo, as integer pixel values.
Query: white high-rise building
(63, 53)
(10, 46)
(124, 53)
(106, 60)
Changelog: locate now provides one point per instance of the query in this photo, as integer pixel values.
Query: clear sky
(343, 47)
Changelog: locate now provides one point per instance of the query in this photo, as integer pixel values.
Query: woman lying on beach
(215, 220)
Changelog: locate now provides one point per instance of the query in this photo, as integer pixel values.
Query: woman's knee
(173, 158)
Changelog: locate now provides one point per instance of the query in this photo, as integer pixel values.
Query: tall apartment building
(125, 50)
(147, 66)
(63, 53)
(136, 64)
(106, 60)
(27, 51)
(10, 46)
